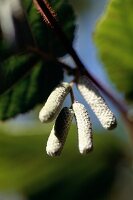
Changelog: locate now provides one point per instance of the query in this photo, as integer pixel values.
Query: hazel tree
(32, 73)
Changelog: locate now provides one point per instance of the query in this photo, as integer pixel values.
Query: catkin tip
(86, 149)
(53, 153)
(42, 116)
(113, 124)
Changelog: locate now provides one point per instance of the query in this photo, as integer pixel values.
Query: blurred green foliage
(113, 37)
(25, 167)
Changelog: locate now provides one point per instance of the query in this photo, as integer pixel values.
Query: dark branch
(59, 32)
(122, 107)
(48, 57)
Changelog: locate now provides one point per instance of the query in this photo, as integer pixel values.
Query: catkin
(59, 132)
(96, 102)
(54, 103)
(84, 128)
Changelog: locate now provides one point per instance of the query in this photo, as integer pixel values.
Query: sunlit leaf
(113, 36)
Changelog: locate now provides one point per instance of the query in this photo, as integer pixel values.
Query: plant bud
(96, 102)
(54, 103)
(84, 128)
(59, 132)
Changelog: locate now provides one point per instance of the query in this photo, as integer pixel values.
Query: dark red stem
(67, 45)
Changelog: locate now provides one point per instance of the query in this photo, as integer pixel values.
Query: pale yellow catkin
(96, 102)
(84, 128)
(53, 105)
(59, 132)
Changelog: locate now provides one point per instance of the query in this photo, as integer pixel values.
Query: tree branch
(48, 57)
(43, 7)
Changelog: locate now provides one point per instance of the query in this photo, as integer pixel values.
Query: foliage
(27, 79)
(113, 37)
(23, 168)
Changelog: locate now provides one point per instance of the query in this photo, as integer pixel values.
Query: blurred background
(26, 171)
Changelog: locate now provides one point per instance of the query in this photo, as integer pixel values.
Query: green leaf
(25, 79)
(31, 28)
(15, 68)
(31, 90)
(113, 37)
(44, 36)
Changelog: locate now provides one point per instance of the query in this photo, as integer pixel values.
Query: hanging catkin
(96, 102)
(59, 132)
(54, 103)
(84, 128)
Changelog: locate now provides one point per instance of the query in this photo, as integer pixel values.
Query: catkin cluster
(52, 110)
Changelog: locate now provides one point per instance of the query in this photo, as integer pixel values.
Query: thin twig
(48, 57)
(122, 107)
(55, 26)
(72, 96)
